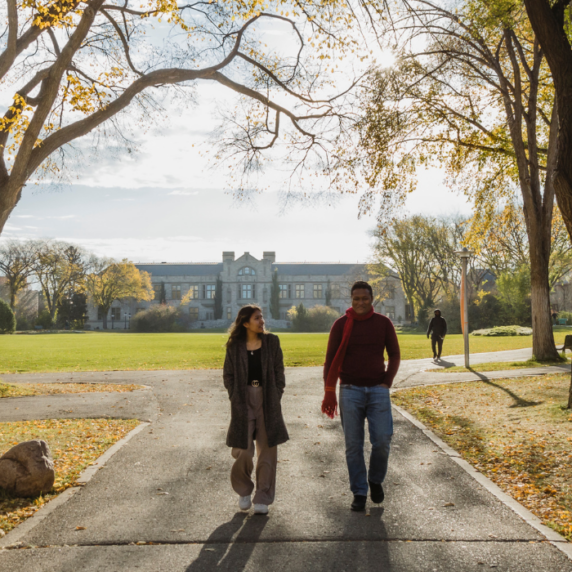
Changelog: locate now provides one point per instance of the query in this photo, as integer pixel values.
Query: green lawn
(104, 351)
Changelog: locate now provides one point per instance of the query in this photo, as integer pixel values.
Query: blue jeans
(356, 405)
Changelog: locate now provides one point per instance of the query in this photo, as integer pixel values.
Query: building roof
(314, 268)
(184, 269)
(283, 268)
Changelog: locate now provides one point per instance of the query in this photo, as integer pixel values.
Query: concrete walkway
(435, 517)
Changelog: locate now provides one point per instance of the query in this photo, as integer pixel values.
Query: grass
(105, 351)
(499, 366)
(517, 432)
(74, 444)
(23, 390)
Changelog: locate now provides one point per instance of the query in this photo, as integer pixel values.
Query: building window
(390, 292)
(390, 312)
(210, 315)
(116, 314)
(299, 290)
(175, 292)
(335, 290)
(209, 291)
(246, 291)
(100, 313)
(284, 291)
(247, 271)
(193, 293)
(284, 315)
(157, 291)
(229, 313)
(193, 314)
(317, 291)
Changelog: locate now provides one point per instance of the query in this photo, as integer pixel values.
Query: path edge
(552, 536)
(15, 535)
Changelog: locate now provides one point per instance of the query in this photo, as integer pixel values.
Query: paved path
(196, 526)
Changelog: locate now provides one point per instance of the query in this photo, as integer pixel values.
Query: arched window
(247, 271)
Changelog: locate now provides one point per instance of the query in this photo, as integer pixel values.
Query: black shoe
(359, 503)
(376, 492)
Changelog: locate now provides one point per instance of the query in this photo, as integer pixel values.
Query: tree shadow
(225, 551)
(518, 401)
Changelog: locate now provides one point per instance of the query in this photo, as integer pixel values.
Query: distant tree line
(67, 277)
(424, 252)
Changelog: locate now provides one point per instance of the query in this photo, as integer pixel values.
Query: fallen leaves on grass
(515, 431)
(22, 390)
(500, 366)
(74, 444)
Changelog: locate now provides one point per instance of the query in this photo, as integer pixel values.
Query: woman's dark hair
(361, 285)
(237, 331)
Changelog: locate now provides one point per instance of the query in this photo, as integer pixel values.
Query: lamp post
(465, 254)
(125, 316)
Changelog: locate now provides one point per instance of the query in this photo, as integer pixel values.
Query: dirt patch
(517, 432)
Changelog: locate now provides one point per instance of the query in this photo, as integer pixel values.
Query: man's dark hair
(361, 285)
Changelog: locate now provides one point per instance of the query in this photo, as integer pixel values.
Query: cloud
(181, 192)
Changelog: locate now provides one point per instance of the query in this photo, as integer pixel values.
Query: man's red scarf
(330, 403)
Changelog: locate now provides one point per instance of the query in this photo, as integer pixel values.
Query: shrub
(7, 319)
(23, 323)
(567, 316)
(504, 331)
(316, 319)
(160, 318)
(45, 320)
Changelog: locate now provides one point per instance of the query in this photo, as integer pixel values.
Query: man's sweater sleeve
(430, 326)
(334, 342)
(393, 355)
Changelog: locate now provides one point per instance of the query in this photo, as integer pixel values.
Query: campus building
(248, 280)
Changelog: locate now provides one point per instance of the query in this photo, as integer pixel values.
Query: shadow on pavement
(236, 554)
(518, 401)
(445, 364)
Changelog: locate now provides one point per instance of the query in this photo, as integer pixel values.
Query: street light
(465, 254)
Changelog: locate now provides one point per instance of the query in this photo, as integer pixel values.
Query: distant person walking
(355, 355)
(254, 378)
(437, 330)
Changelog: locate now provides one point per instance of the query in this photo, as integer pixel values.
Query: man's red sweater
(364, 363)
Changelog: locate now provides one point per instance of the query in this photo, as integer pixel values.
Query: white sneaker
(244, 503)
(260, 509)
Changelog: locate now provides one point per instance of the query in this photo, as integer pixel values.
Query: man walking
(437, 330)
(355, 355)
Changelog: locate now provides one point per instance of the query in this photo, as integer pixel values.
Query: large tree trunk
(543, 347)
(548, 25)
(539, 229)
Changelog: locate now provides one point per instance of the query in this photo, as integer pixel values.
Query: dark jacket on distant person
(437, 327)
(235, 375)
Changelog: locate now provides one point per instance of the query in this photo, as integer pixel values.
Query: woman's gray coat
(235, 375)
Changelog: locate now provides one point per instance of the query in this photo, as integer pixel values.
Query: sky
(164, 201)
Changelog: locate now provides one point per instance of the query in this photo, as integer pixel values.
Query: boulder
(27, 469)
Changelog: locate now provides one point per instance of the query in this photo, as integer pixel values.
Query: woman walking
(254, 378)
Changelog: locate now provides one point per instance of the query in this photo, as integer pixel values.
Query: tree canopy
(73, 67)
